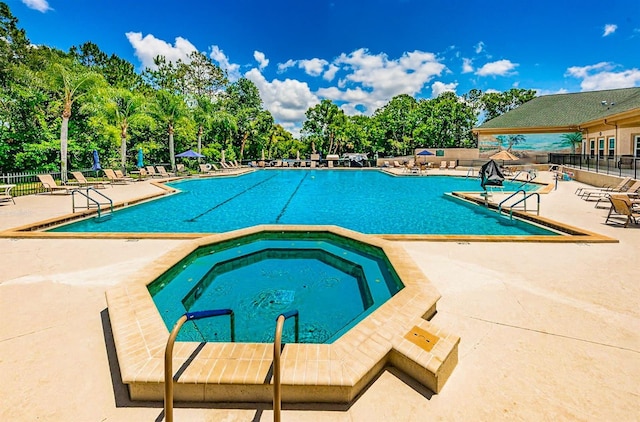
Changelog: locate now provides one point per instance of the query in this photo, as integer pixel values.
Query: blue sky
(361, 53)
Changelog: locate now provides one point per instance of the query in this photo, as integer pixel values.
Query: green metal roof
(567, 109)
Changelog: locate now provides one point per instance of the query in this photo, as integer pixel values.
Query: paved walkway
(548, 331)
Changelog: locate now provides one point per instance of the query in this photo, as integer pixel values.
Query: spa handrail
(168, 353)
(277, 398)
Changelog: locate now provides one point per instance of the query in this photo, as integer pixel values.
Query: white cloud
(287, 100)
(330, 73)
(261, 59)
(497, 68)
(286, 65)
(387, 78)
(39, 5)
(438, 88)
(479, 47)
(313, 67)
(147, 48)
(233, 70)
(603, 76)
(467, 66)
(609, 29)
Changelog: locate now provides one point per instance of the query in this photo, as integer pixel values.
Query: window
(612, 147)
(592, 147)
(601, 148)
(637, 146)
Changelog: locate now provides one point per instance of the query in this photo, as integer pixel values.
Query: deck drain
(424, 339)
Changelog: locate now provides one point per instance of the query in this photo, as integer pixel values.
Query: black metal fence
(27, 183)
(618, 165)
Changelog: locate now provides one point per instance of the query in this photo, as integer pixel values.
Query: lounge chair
(209, 168)
(632, 192)
(144, 174)
(113, 179)
(120, 175)
(181, 170)
(152, 171)
(314, 164)
(622, 208)
(82, 181)
(52, 187)
(615, 188)
(303, 163)
(5, 193)
(443, 165)
(396, 164)
(163, 172)
(589, 195)
(452, 165)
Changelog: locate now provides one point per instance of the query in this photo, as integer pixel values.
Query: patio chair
(396, 164)
(144, 174)
(82, 181)
(181, 170)
(616, 188)
(52, 187)
(152, 171)
(163, 172)
(604, 193)
(113, 179)
(633, 191)
(452, 165)
(6, 195)
(443, 165)
(622, 208)
(120, 175)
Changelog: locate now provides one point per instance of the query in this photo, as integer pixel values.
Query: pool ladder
(525, 196)
(92, 202)
(277, 350)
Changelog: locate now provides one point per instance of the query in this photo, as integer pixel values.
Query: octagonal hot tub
(332, 281)
(363, 305)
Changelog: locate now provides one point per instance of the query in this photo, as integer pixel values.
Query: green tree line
(57, 107)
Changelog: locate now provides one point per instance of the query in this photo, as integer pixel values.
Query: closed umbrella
(96, 162)
(140, 159)
(222, 159)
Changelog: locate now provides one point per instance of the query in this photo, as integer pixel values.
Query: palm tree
(74, 85)
(573, 139)
(123, 108)
(168, 109)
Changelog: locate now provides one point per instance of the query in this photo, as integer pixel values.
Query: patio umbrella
(96, 161)
(504, 155)
(189, 154)
(140, 159)
(424, 153)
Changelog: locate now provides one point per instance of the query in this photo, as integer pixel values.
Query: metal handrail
(89, 198)
(524, 194)
(277, 397)
(168, 352)
(525, 204)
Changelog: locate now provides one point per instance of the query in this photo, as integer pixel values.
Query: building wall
(624, 140)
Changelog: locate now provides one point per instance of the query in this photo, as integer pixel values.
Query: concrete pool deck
(548, 331)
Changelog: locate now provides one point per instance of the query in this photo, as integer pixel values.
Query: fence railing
(27, 183)
(619, 165)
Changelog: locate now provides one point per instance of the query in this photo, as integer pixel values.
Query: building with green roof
(597, 123)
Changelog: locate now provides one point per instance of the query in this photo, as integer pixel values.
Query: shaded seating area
(623, 211)
(52, 187)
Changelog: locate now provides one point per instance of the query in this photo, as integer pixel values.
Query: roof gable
(568, 110)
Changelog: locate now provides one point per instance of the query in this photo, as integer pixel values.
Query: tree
(168, 109)
(495, 104)
(74, 83)
(324, 123)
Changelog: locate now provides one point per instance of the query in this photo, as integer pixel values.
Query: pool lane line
(290, 198)
(192, 220)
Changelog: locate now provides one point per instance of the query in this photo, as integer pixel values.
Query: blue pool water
(367, 201)
(333, 283)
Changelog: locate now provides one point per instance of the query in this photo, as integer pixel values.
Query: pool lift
(92, 203)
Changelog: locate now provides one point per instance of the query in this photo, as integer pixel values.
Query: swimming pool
(370, 202)
(260, 276)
